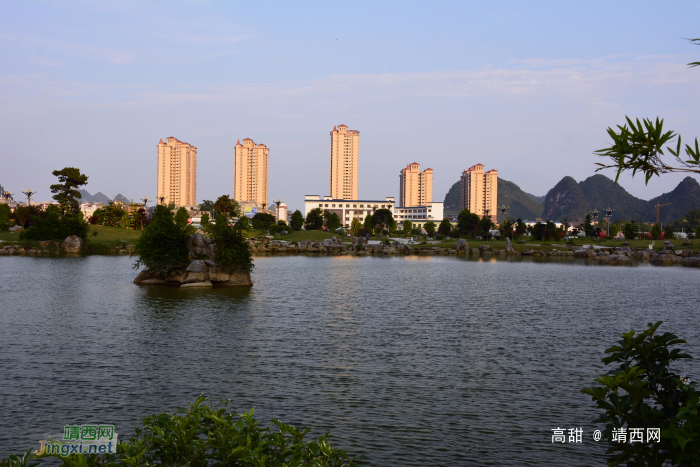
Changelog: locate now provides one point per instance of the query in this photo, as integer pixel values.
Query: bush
(5, 214)
(643, 392)
(232, 249)
(161, 246)
(203, 436)
(262, 221)
(56, 227)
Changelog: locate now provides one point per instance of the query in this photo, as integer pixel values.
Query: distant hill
(565, 201)
(539, 199)
(571, 200)
(522, 205)
(100, 197)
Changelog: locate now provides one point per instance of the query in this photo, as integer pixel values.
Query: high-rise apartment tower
(415, 187)
(250, 172)
(177, 172)
(344, 162)
(480, 191)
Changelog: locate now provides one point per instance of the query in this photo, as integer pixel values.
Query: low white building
(419, 214)
(347, 209)
(88, 209)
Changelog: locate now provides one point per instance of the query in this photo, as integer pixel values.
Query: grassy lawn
(112, 235)
(316, 235)
(7, 236)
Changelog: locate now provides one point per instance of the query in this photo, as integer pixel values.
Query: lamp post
(161, 200)
(608, 216)
(7, 195)
(594, 218)
(29, 193)
(503, 210)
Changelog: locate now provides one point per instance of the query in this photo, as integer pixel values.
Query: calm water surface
(407, 361)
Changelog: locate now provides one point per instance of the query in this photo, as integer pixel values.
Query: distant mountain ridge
(571, 200)
(100, 197)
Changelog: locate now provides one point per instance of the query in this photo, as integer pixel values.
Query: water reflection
(408, 361)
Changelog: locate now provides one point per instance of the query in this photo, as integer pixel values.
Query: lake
(408, 361)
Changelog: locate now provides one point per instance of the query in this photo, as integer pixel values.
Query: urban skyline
(454, 90)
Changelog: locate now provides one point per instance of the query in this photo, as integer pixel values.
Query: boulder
(72, 244)
(197, 265)
(509, 247)
(359, 240)
(240, 279)
(198, 284)
(483, 248)
(179, 278)
(16, 228)
(210, 263)
(217, 275)
(529, 253)
(474, 251)
(692, 262)
(152, 281)
(142, 276)
(668, 245)
(195, 277)
(666, 257)
(44, 243)
(462, 247)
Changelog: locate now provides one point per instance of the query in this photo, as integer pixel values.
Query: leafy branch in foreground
(639, 147)
(203, 436)
(643, 392)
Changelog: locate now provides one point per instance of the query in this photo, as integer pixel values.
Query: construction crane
(657, 209)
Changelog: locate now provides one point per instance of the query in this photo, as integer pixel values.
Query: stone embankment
(626, 255)
(71, 244)
(200, 272)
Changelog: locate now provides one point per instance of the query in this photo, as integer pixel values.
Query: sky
(527, 88)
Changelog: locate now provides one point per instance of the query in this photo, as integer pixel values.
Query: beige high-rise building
(345, 155)
(250, 172)
(480, 191)
(177, 172)
(415, 187)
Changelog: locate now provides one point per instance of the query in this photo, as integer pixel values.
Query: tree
(383, 219)
(314, 219)
(429, 228)
(182, 218)
(243, 223)
(5, 214)
(66, 192)
(656, 232)
(141, 217)
(297, 221)
(506, 229)
(613, 229)
(445, 227)
(642, 391)
(53, 226)
(566, 225)
(262, 221)
(520, 228)
(668, 232)
(205, 219)
(206, 205)
(485, 225)
(588, 226)
(407, 226)
(467, 222)
(692, 218)
(630, 230)
(332, 221)
(161, 246)
(355, 227)
(232, 248)
(227, 206)
(368, 224)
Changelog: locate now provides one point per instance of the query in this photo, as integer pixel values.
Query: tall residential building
(250, 172)
(345, 155)
(415, 187)
(480, 191)
(177, 172)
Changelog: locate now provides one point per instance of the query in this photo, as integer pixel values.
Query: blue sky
(527, 88)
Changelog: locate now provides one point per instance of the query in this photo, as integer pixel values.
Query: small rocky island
(200, 272)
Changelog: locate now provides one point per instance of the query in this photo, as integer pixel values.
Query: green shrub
(54, 226)
(161, 246)
(263, 221)
(5, 214)
(643, 392)
(232, 249)
(202, 436)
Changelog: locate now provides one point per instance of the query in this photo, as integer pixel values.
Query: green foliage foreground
(643, 392)
(204, 436)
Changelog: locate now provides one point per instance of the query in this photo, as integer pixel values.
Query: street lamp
(7, 195)
(608, 215)
(503, 210)
(594, 217)
(278, 202)
(29, 193)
